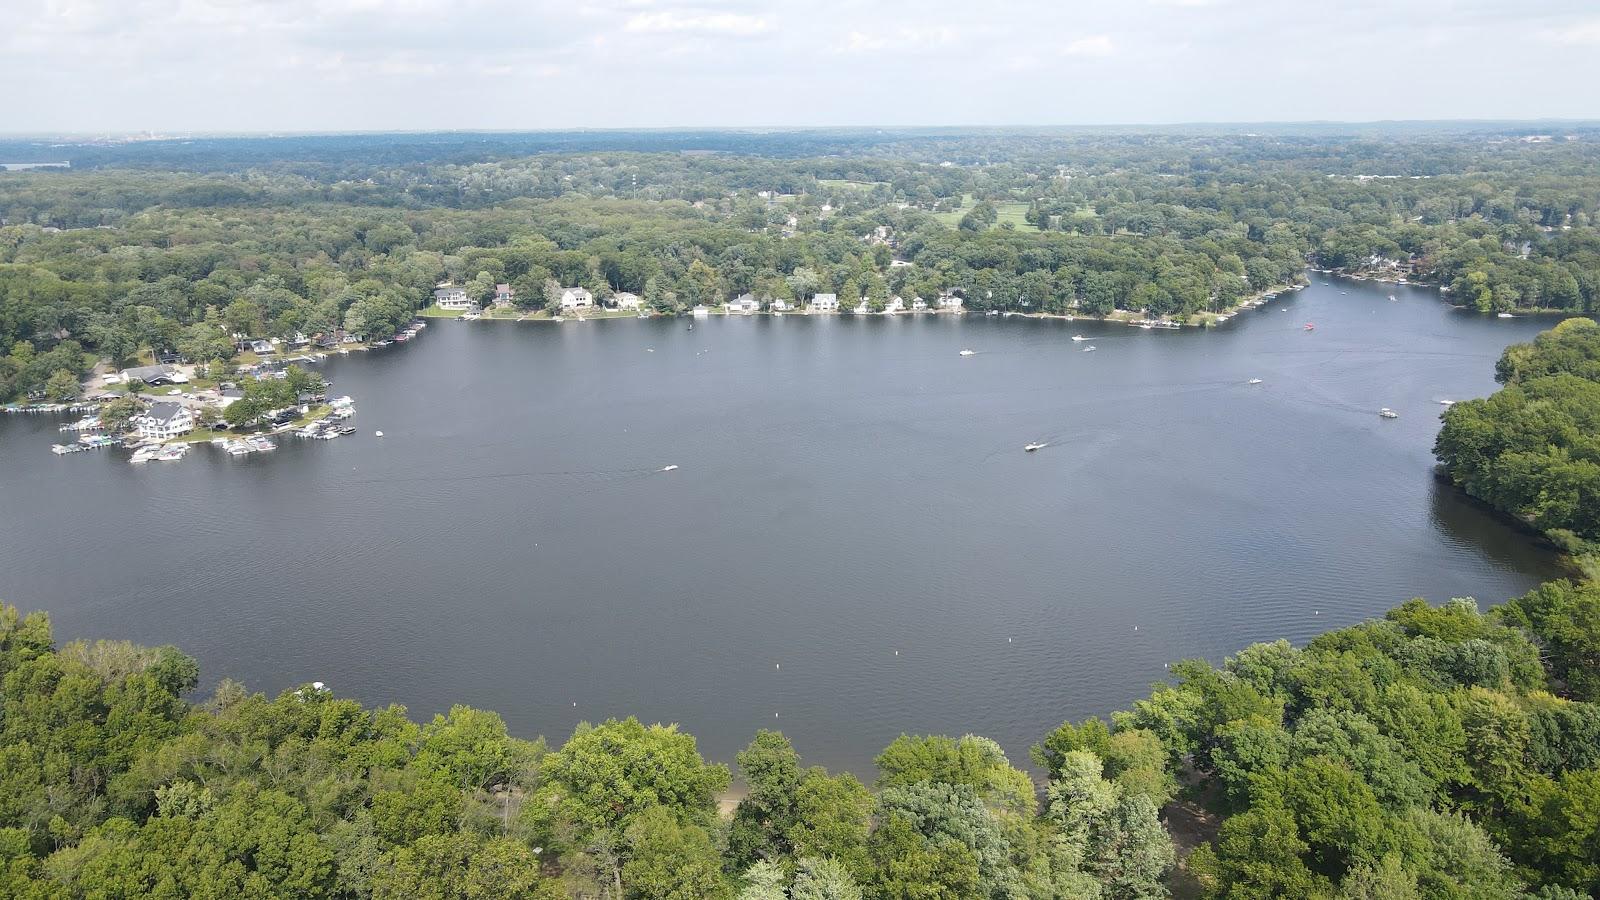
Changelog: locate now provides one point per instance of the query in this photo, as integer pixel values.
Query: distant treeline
(182, 245)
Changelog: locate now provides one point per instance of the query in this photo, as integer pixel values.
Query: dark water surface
(848, 489)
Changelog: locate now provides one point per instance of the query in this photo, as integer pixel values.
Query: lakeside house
(894, 305)
(228, 396)
(825, 303)
(918, 304)
(164, 421)
(745, 304)
(782, 305)
(950, 302)
(504, 295)
(862, 308)
(576, 298)
(700, 311)
(453, 296)
(154, 375)
(625, 300)
(260, 347)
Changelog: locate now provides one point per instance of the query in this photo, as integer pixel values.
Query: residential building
(782, 305)
(744, 303)
(825, 303)
(259, 347)
(862, 308)
(504, 295)
(918, 304)
(625, 300)
(228, 396)
(164, 421)
(950, 302)
(894, 305)
(576, 298)
(453, 296)
(700, 311)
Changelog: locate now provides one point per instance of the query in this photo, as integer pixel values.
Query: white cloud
(719, 23)
(1579, 34)
(1097, 45)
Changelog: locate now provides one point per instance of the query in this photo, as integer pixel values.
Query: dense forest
(1437, 752)
(185, 246)
(1532, 449)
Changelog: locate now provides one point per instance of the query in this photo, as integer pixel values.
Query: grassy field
(1015, 213)
(845, 183)
(434, 312)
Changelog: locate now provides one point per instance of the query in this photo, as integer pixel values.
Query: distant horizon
(191, 133)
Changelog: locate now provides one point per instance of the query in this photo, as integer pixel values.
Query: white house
(504, 295)
(164, 421)
(918, 304)
(452, 296)
(700, 311)
(154, 375)
(894, 305)
(825, 303)
(625, 300)
(950, 302)
(229, 396)
(576, 298)
(744, 303)
(862, 308)
(782, 305)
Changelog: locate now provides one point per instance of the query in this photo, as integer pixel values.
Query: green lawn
(846, 183)
(1015, 213)
(434, 312)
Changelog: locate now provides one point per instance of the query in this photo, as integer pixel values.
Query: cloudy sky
(270, 65)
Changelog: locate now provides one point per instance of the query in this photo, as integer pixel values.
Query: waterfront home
(504, 295)
(862, 308)
(918, 304)
(261, 347)
(624, 300)
(825, 303)
(950, 302)
(700, 311)
(228, 396)
(576, 298)
(154, 375)
(164, 421)
(894, 305)
(744, 304)
(782, 305)
(453, 296)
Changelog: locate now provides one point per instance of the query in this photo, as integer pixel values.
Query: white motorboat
(1029, 448)
(969, 353)
(1388, 413)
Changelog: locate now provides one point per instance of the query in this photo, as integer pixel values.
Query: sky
(187, 66)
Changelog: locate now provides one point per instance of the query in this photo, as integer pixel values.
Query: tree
(1564, 616)
(764, 881)
(62, 387)
(671, 861)
(823, 878)
(765, 816)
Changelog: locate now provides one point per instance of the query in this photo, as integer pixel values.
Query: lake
(854, 544)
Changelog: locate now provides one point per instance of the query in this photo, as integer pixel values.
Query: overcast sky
(333, 65)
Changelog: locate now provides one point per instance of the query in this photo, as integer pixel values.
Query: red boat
(1311, 326)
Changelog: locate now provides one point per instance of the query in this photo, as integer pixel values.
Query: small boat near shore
(1037, 445)
(1504, 315)
(1388, 413)
(1254, 381)
(1089, 349)
(1078, 337)
(968, 353)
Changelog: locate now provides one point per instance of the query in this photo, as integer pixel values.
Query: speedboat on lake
(1388, 413)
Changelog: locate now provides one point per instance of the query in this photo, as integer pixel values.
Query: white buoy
(897, 653)
(777, 665)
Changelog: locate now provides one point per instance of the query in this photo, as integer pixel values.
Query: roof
(165, 412)
(146, 373)
(816, 297)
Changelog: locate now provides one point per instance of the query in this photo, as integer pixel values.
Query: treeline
(112, 262)
(1431, 753)
(1532, 449)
